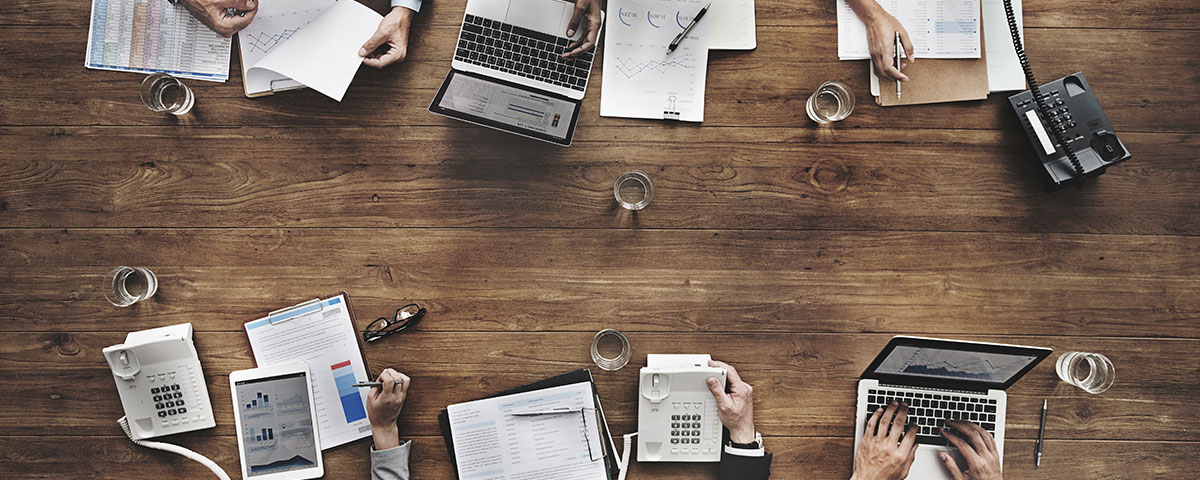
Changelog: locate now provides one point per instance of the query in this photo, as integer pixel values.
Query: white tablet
(276, 423)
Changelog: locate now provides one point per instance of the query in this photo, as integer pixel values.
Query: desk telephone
(1063, 119)
(162, 388)
(677, 415)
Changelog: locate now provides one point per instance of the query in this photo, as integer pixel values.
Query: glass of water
(1092, 372)
(633, 190)
(831, 103)
(610, 350)
(163, 93)
(125, 286)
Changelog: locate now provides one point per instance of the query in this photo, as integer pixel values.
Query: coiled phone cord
(176, 449)
(623, 462)
(1039, 99)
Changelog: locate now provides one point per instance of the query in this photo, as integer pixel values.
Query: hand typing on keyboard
(389, 44)
(976, 446)
(883, 455)
(584, 9)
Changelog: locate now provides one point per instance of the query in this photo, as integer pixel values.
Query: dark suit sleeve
(735, 467)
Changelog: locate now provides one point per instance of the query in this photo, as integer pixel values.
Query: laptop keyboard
(522, 52)
(930, 410)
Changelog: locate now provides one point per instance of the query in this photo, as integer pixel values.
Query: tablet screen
(505, 106)
(277, 429)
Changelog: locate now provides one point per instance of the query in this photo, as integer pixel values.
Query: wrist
(385, 436)
(742, 435)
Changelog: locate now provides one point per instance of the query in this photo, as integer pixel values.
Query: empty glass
(610, 349)
(832, 102)
(1092, 372)
(164, 93)
(633, 190)
(125, 286)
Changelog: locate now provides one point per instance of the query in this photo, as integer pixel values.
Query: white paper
(323, 336)
(937, 28)
(147, 36)
(642, 80)
(324, 55)
(275, 23)
(733, 25)
(1004, 68)
(491, 444)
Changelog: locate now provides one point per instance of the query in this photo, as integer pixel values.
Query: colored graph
(978, 369)
(631, 68)
(262, 401)
(352, 404)
(264, 41)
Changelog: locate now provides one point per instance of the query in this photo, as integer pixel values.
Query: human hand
(882, 455)
(212, 13)
(584, 9)
(881, 39)
(392, 31)
(735, 408)
(977, 447)
(383, 407)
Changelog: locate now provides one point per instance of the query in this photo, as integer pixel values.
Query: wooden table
(793, 252)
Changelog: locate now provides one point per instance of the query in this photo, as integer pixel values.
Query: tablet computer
(276, 423)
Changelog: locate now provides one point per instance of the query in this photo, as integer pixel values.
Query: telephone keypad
(168, 399)
(689, 434)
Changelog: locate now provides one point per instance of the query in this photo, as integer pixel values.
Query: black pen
(376, 384)
(679, 38)
(1037, 462)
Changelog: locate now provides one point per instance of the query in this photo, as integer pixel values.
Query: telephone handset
(162, 388)
(677, 414)
(1069, 130)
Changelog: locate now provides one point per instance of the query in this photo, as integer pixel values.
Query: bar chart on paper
(352, 403)
(154, 36)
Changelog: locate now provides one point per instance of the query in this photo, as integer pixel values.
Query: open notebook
(298, 43)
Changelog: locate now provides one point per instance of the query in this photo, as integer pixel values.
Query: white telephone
(162, 388)
(677, 415)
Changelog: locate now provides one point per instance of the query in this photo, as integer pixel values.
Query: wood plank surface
(792, 251)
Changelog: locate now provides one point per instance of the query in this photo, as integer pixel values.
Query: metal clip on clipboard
(271, 317)
(671, 112)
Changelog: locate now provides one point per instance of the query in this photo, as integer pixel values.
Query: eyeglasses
(404, 318)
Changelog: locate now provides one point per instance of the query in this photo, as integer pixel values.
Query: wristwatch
(755, 445)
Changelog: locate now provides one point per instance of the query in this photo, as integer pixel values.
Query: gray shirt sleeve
(390, 464)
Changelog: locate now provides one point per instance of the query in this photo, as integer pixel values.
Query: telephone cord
(623, 463)
(176, 449)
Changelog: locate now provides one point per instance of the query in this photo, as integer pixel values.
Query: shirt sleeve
(414, 5)
(390, 464)
(746, 452)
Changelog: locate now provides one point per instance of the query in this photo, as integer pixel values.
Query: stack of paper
(154, 36)
(937, 28)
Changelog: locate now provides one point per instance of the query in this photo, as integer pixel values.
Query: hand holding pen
(384, 403)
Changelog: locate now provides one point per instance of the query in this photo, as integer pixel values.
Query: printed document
(492, 444)
(642, 80)
(937, 28)
(147, 36)
(733, 25)
(274, 24)
(323, 55)
(1004, 68)
(322, 335)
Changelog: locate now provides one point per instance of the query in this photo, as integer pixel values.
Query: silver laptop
(941, 379)
(508, 72)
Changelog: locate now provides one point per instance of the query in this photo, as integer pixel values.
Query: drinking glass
(610, 349)
(1092, 372)
(125, 286)
(633, 190)
(164, 93)
(832, 102)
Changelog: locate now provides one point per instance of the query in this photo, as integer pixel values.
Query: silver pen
(553, 411)
(1037, 462)
(897, 63)
(679, 38)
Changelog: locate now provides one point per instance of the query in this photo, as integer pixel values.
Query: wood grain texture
(791, 251)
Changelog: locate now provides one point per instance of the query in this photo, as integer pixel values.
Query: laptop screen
(505, 106)
(954, 363)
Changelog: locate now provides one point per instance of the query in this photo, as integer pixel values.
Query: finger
(393, 55)
(405, 381)
(885, 424)
(910, 439)
(723, 400)
(974, 434)
(952, 466)
(580, 10)
(898, 423)
(872, 422)
(909, 51)
(245, 5)
(374, 42)
(730, 372)
(892, 73)
(967, 452)
(238, 23)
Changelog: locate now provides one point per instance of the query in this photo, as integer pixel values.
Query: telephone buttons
(162, 413)
(674, 451)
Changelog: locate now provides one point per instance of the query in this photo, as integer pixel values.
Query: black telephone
(1077, 142)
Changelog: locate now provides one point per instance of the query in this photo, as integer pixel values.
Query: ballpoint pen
(897, 49)
(553, 411)
(679, 38)
(376, 384)
(1037, 462)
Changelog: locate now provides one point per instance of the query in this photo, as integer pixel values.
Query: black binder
(568, 378)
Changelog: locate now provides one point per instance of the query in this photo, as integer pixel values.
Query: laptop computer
(508, 72)
(942, 379)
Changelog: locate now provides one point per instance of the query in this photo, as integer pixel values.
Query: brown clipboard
(939, 80)
(349, 310)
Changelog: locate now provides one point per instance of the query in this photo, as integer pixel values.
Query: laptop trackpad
(928, 464)
(547, 16)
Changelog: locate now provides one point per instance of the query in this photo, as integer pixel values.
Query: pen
(1037, 462)
(679, 38)
(375, 384)
(553, 411)
(897, 63)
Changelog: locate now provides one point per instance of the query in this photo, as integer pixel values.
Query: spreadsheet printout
(155, 36)
(937, 28)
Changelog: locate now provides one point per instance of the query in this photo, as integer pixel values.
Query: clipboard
(567, 378)
(282, 315)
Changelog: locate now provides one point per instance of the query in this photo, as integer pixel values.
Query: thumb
(376, 40)
(948, 460)
(718, 393)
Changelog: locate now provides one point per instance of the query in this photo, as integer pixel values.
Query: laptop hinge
(938, 389)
